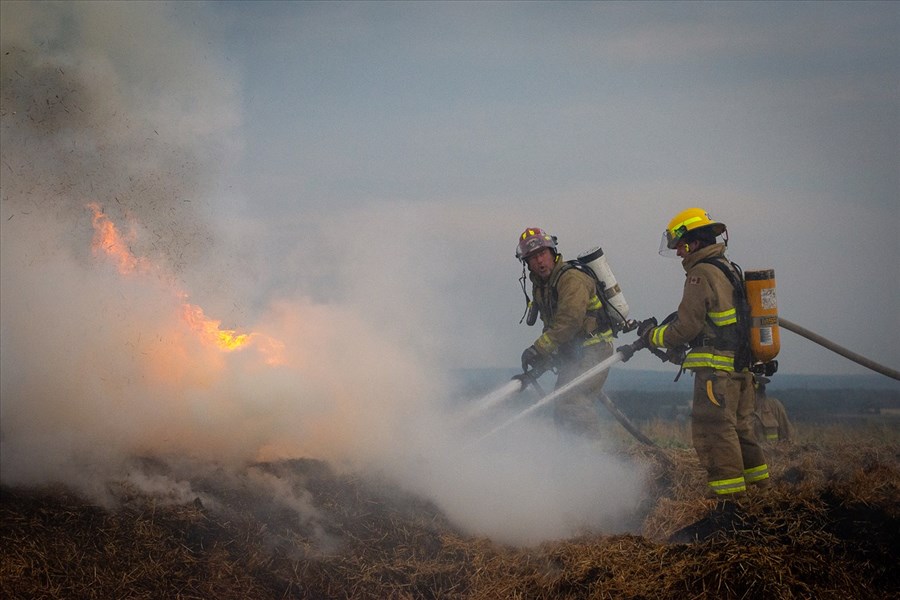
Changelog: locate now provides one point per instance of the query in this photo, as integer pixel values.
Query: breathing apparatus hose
(862, 360)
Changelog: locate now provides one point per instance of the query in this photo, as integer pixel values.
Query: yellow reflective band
(594, 303)
(687, 222)
(695, 360)
(684, 224)
(726, 317)
(601, 336)
(757, 473)
(658, 336)
(728, 486)
(772, 437)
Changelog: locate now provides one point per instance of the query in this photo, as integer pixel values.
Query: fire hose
(530, 377)
(825, 343)
(622, 354)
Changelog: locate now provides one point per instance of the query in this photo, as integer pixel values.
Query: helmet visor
(673, 236)
(670, 240)
(667, 245)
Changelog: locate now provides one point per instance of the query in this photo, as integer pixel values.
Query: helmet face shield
(690, 220)
(667, 245)
(672, 237)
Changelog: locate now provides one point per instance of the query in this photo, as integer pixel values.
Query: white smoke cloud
(523, 484)
(99, 368)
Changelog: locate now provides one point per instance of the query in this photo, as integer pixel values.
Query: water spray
(622, 354)
(495, 398)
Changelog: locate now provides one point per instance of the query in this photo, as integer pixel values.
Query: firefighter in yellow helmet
(707, 322)
(576, 333)
(770, 418)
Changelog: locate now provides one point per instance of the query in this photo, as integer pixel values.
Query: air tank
(616, 306)
(765, 337)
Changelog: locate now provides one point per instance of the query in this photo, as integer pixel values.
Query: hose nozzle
(630, 325)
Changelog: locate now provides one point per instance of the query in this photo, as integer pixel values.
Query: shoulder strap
(578, 266)
(743, 356)
(554, 293)
(569, 264)
(604, 320)
(733, 274)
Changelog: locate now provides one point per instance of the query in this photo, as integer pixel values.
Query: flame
(208, 329)
(108, 241)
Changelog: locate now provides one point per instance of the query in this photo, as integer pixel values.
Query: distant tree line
(801, 404)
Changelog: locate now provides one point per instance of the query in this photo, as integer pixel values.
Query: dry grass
(827, 529)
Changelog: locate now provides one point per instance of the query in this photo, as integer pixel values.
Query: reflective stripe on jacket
(706, 318)
(571, 315)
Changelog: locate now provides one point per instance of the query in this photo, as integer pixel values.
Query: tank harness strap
(737, 317)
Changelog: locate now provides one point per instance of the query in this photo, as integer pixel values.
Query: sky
(450, 127)
(345, 183)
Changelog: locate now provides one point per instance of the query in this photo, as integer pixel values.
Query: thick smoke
(99, 370)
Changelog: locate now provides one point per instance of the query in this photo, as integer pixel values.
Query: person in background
(576, 333)
(718, 355)
(771, 422)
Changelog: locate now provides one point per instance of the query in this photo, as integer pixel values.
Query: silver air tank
(616, 306)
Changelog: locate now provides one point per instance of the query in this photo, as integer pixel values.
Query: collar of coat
(702, 254)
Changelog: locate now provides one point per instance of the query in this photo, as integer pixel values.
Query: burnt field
(829, 528)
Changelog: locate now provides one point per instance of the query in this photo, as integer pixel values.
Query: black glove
(532, 358)
(645, 329)
(627, 351)
(676, 355)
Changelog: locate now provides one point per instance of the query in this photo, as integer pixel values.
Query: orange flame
(109, 241)
(227, 339)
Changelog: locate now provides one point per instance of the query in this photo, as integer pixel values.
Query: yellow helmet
(691, 219)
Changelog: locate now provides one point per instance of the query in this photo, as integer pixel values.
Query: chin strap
(527, 298)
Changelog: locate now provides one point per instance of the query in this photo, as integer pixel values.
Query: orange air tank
(765, 338)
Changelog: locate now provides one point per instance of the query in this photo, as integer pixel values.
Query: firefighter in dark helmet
(576, 331)
(707, 322)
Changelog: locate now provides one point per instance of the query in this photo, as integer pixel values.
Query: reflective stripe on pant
(721, 487)
(722, 431)
(756, 474)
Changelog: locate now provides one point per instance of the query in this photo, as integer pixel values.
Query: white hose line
(564, 389)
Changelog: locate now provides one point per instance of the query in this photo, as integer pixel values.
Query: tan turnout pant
(722, 431)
